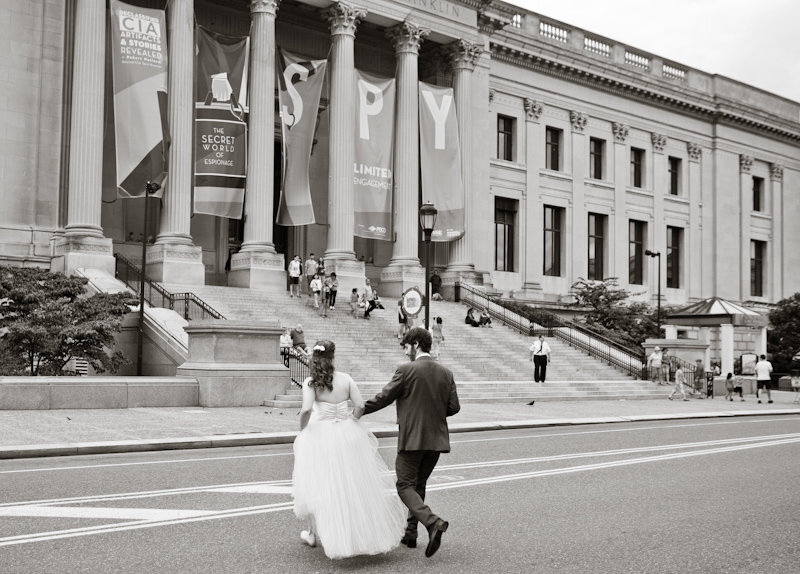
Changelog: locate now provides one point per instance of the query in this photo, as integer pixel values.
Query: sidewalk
(26, 434)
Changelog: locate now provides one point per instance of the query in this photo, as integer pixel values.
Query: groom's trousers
(413, 467)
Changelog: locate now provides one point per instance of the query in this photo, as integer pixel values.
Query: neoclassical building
(579, 155)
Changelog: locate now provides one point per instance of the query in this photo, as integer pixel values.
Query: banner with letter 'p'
(139, 71)
(373, 161)
(440, 160)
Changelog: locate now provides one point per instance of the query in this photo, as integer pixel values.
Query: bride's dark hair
(321, 365)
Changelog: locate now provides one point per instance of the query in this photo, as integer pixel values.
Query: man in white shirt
(310, 269)
(763, 378)
(294, 276)
(540, 355)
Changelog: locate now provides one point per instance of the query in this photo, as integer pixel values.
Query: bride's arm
(308, 402)
(358, 400)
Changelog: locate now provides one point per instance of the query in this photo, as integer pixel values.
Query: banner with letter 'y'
(373, 162)
(300, 87)
(220, 171)
(139, 69)
(440, 160)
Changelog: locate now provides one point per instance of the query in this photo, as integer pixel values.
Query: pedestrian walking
(333, 289)
(540, 355)
(369, 299)
(438, 337)
(311, 270)
(654, 365)
(737, 388)
(426, 395)
(402, 319)
(796, 386)
(763, 378)
(680, 380)
(295, 270)
(730, 385)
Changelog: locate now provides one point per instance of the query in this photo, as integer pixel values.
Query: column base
(396, 279)
(173, 263)
(258, 270)
(350, 274)
(531, 291)
(450, 277)
(71, 253)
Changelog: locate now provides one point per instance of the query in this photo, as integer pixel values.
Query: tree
(46, 320)
(611, 315)
(784, 337)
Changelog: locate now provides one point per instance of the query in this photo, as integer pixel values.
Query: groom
(426, 395)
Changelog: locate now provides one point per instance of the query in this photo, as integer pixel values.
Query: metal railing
(627, 360)
(297, 364)
(187, 305)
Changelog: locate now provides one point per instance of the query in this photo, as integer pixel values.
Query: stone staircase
(488, 364)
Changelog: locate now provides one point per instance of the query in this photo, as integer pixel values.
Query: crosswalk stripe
(108, 513)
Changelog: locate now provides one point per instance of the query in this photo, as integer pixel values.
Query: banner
(440, 160)
(373, 161)
(139, 70)
(220, 171)
(300, 87)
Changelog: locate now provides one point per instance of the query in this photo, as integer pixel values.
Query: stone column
(617, 172)
(531, 213)
(726, 347)
(574, 250)
(340, 255)
(463, 57)
(258, 265)
(696, 252)
(775, 249)
(83, 244)
(659, 187)
(174, 258)
(404, 268)
(746, 206)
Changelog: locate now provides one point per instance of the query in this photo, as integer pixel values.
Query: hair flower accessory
(319, 348)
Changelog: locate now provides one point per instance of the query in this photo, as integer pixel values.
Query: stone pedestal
(257, 270)
(451, 277)
(173, 263)
(236, 363)
(73, 252)
(395, 279)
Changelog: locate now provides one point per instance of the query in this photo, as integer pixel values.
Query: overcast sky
(747, 40)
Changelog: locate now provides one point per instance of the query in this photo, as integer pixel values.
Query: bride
(340, 483)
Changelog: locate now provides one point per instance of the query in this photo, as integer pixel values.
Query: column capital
(620, 132)
(344, 18)
(407, 37)
(533, 109)
(695, 151)
(776, 172)
(578, 121)
(659, 141)
(264, 6)
(745, 163)
(463, 55)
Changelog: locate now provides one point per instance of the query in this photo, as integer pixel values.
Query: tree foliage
(46, 319)
(611, 315)
(784, 337)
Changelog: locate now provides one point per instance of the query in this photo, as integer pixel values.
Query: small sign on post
(710, 384)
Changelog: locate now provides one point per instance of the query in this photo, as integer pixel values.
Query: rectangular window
(505, 138)
(553, 221)
(758, 253)
(505, 215)
(636, 235)
(552, 158)
(637, 167)
(758, 194)
(674, 176)
(597, 246)
(674, 253)
(596, 157)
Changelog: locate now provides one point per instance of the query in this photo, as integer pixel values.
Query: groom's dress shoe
(409, 541)
(435, 536)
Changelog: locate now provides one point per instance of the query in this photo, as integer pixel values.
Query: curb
(261, 439)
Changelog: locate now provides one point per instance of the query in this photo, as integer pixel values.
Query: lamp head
(427, 217)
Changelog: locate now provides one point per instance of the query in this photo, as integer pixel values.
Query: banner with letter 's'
(440, 160)
(139, 71)
(300, 88)
(220, 172)
(373, 161)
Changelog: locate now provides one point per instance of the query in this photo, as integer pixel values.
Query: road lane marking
(108, 513)
(255, 489)
(263, 509)
(392, 445)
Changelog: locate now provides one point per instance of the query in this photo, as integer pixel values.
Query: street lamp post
(427, 220)
(150, 187)
(658, 304)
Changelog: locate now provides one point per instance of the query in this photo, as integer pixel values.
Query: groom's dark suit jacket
(426, 395)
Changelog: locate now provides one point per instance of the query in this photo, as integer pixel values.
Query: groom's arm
(387, 396)
(453, 406)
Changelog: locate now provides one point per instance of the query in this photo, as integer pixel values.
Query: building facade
(580, 155)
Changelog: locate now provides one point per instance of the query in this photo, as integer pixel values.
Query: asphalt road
(705, 496)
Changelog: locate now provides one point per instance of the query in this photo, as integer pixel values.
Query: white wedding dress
(342, 482)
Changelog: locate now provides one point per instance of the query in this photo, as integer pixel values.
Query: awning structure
(716, 311)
